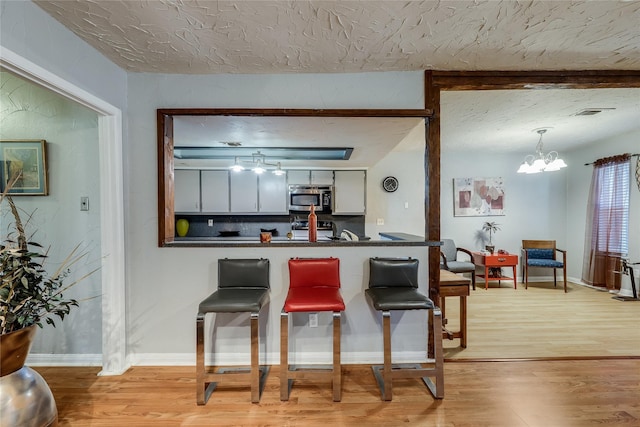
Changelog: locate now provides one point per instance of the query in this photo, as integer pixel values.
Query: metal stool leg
(284, 356)
(337, 367)
(255, 368)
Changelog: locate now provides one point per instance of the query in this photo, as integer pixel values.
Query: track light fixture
(258, 163)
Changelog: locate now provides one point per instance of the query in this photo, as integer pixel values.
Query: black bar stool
(314, 286)
(243, 287)
(393, 285)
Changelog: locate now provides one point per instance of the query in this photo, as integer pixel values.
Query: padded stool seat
(243, 287)
(234, 300)
(393, 285)
(314, 286)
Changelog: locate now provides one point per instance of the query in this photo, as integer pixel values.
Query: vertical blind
(612, 207)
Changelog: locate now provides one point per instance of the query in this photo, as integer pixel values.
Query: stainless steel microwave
(301, 197)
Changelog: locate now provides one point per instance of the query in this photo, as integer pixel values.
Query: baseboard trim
(36, 359)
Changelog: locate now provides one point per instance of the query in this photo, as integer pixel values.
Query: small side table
(454, 285)
(495, 260)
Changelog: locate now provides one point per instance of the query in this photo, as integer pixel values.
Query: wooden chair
(542, 253)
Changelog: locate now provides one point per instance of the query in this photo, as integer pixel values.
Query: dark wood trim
(432, 184)
(437, 81)
(284, 112)
(434, 82)
(166, 228)
(164, 117)
(494, 80)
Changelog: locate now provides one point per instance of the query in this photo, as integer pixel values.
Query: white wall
(534, 204)
(31, 32)
(40, 46)
(406, 163)
(579, 181)
(71, 131)
(166, 284)
(540, 206)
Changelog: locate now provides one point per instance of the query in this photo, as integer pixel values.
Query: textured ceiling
(267, 36)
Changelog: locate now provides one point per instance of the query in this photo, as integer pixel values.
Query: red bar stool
(243, 287)
(314, 286)
(393, 285)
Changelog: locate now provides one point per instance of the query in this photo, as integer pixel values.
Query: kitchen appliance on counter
(301, 197)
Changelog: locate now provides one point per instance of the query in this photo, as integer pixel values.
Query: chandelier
(541, 162)
(258, 164)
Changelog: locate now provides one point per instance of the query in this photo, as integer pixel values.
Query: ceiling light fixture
(258, 163)
(541, 162)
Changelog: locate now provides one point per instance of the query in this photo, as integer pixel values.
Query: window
(612, 232)
(607, 228)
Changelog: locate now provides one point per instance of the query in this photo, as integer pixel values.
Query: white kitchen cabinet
(214, 191)
(298, 177)
(310, 177)
(321, 177)
(349, 192)
(186, 192)
(244, 192)
(272, 194)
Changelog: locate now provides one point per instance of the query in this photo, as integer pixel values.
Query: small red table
(495, 261)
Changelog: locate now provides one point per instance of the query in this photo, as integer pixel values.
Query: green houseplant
(491, 227)
(29, 296)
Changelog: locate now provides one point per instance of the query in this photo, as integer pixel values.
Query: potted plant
(29, 296)
(491, 227)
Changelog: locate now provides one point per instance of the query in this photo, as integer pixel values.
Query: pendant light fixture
(540, 162)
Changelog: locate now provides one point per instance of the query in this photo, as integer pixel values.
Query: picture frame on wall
(26, 159)
(478, 196)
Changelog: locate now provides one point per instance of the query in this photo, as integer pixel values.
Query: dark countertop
(399, 239)
(402, 236)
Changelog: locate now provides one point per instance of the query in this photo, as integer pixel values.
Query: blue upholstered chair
(449, 260)
(543, 253)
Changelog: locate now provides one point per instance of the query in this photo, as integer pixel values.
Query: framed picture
(26, 159)
(478, 196)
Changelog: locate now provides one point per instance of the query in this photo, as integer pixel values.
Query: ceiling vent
(592, 111)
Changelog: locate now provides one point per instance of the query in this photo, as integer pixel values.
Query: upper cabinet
(244, 192)
(296, 177)
(187, 190)
(224, 192)
(265, 193)
(349, 192)
(310, 177)
(272, 194)
(322, 177)
(214, 189)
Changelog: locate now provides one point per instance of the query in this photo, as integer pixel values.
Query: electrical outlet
(210, 223)
(380, 221)
(313, 320)
(84, 203)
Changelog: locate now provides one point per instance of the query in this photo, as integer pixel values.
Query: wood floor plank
(543, 321)
(509, 394)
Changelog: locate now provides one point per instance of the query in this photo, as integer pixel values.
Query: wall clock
(390, 184)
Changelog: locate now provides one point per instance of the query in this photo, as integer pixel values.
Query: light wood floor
(496, 394)
(544, 322)
(503, 323)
